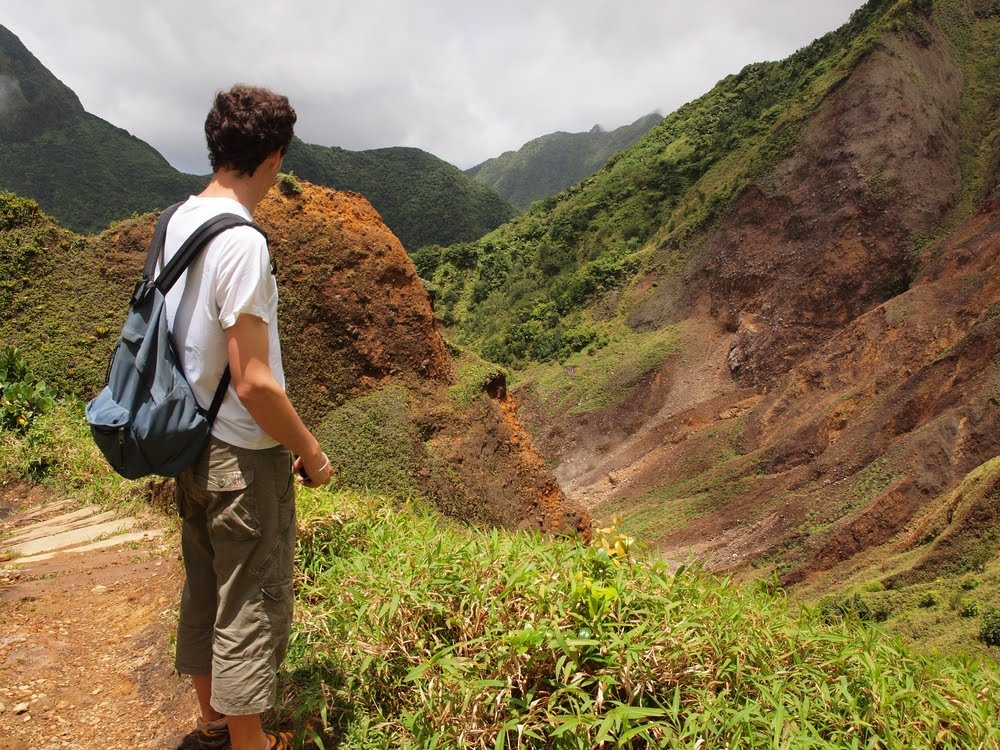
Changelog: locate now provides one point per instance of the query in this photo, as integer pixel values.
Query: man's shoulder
(197, 210)
(200, 208)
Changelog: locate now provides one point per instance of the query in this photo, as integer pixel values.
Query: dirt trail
(85, 637)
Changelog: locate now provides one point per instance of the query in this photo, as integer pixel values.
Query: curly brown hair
(245, 125)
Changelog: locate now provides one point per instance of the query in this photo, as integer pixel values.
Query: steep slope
(81, 169)
(425, 200)
(551, 163)
(364, 360)
(767, 333)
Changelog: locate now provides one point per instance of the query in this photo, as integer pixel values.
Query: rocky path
(87, 607)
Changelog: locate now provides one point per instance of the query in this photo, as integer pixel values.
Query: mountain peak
(32, 100)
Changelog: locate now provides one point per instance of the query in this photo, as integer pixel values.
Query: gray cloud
(465, 81)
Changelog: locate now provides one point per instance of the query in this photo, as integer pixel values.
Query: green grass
(599, 377)
(939, 616)
(414, 632)
(58, 453)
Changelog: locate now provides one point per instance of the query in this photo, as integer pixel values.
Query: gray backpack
(146, 419)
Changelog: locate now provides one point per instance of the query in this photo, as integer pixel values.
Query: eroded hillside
(396, 411)
(810, 381)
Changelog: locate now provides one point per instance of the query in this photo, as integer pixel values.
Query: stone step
(135, 536)
(75, 520)
(37, 512)
(72, 537)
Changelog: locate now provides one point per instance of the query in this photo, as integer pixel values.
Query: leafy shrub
(22, 396)
(967, 607)
(928, 599)
(288, 184)
(970, 583)
(989, 631)
(835, 609)
(16, 211)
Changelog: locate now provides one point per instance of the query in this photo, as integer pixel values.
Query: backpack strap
(159, 239)
(193, 245)
(182, 259)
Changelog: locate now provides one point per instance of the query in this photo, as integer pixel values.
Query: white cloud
(465, 81)
(10, 95)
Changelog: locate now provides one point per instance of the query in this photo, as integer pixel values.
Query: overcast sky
(462, 79)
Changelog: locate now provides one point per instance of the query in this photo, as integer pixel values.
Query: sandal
(278, 740)
(212, 735)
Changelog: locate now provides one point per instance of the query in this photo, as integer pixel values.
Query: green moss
(372, 442)
(472, 375)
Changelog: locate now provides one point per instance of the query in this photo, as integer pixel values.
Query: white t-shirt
(231, 276)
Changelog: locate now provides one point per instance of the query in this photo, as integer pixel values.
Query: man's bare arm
(264, 398)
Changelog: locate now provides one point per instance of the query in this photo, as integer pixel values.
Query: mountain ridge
(397, 410)
(550, 163)
(674, 321)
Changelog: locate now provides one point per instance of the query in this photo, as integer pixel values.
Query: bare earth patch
(85, 643)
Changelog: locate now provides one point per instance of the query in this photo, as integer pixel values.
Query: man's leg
(203, 689)
(252, 530)
(246, 733)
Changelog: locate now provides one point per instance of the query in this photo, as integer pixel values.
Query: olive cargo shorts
(238, 538)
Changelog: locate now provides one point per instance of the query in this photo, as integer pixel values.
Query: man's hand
(319, 474)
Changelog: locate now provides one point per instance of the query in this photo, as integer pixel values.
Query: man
(237, 501)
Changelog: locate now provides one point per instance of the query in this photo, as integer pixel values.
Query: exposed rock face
(353, 310)
(826, 236)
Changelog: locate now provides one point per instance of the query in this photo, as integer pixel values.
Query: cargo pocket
(232, 512)
(277, 562)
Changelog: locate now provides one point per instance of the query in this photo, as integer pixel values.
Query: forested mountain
(423, 199)
(84, 171)
(768, 332)
(87, 173)
(553, 162)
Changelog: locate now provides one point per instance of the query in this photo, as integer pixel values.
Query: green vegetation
(288, 185)
(641, 211)
(23, 397)
(372, 442)
(421, 198)
(57, 451)
(54, 290)
(81, 169)
(416, 633)
(473, 376)
(945, 615)
(974, 32)
(549, 164)
(87, 173)
(615, 361)
(989, 632)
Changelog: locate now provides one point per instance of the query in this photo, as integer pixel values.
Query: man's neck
(229, 184)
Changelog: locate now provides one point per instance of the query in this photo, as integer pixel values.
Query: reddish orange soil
(85, 650)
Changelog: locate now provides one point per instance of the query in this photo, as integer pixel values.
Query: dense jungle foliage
(423, 199)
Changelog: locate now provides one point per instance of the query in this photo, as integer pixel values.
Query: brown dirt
(85, 642)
